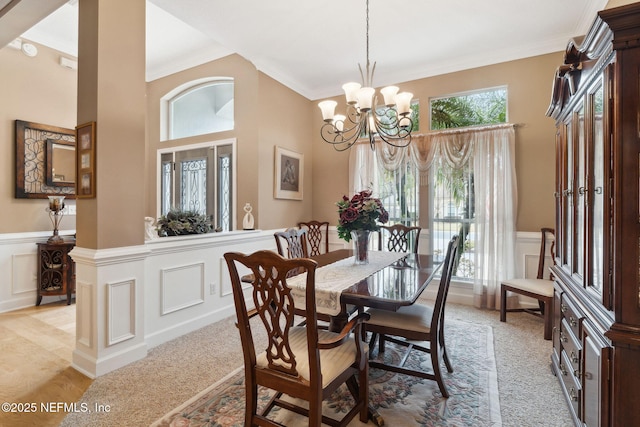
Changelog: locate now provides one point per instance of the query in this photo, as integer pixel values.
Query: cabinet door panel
(596, 168)
(568, 199)
(595, 383)
(581, 191)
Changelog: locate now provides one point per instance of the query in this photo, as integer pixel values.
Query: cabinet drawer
(571, 384)
(570, 345)
(571, 314)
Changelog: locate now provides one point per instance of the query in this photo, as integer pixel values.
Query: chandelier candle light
(56, 212)
(391, 123)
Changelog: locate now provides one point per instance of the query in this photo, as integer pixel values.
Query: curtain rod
(469, 129)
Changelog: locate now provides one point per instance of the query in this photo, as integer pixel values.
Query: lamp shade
(403, 102)
(365, 98)
(351, 92)
(328, 110)
(389, 94)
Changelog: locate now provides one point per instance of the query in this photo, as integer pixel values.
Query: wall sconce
(56, 212)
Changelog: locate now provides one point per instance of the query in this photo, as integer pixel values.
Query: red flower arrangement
(361, 212)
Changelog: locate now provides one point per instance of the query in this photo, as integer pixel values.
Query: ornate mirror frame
(33, 165)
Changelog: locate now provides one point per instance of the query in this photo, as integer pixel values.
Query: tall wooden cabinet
(596, 335)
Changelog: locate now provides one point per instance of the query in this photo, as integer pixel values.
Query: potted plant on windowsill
(178, 222)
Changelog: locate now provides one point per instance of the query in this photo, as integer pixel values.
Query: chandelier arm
(339, 140)
(400, 137)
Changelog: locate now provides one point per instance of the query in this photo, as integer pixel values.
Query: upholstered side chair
(540, 288)
(302, 362)
(417, 322)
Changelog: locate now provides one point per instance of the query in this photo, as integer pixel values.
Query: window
(198, 107)
(485, 107)
(200, 178)
(451, 190)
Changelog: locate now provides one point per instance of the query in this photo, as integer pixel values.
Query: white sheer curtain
(490, 149)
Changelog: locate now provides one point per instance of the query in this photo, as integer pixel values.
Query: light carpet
(401, 400)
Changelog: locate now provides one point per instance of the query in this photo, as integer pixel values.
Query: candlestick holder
(56, 212)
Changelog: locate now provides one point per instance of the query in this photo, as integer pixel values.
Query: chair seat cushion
(415, 317)
(537, 286)
(333, 361)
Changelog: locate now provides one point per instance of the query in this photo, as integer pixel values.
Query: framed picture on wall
(289, 174)
(86, 160)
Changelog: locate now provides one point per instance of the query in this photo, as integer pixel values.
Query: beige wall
(285, 121)
(529, 88)
(269, 114)
(266, 114)
(37, 90)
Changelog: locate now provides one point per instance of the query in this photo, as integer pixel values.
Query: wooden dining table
(398, 284)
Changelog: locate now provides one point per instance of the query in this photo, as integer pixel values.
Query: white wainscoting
(19, 265)
(131, 299)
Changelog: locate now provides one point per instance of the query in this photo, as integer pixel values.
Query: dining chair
(417, 322)
(292, 240)
(317, 236)
(399, 238)
(539, 288)
(301, 362)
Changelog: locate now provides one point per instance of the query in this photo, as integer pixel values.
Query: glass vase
(360, 246)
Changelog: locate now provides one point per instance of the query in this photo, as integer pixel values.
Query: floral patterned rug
(401, 400)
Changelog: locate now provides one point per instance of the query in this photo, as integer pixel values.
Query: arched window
(198, 107)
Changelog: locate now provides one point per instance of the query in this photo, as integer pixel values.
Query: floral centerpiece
(358, 216)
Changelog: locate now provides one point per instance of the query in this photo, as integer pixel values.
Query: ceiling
(315, 47)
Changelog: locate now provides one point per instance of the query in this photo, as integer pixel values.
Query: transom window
(197, 108)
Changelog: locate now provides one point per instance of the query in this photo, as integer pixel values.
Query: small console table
(56, 270)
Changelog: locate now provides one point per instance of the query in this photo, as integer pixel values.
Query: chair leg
(445, 356)
(548, 318)
(315, 412)
(435, 362)
(363, 387)
(372, 343)
(381, 343)
(251, 407)
(503, 304)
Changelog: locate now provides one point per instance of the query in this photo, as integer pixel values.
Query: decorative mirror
(61, 163)
(45, 161)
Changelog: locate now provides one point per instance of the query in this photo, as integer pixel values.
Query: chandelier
(391, 123)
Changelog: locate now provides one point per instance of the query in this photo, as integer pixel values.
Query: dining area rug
(401, 400)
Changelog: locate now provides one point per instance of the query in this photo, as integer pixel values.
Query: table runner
(332, 279)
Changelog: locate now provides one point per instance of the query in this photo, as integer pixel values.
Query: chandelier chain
(391, 123)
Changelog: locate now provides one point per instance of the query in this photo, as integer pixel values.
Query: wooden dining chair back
(317, 236)
(301, 362)
(399, 238)
(540, 288)
(292, 243)
(416, 322)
